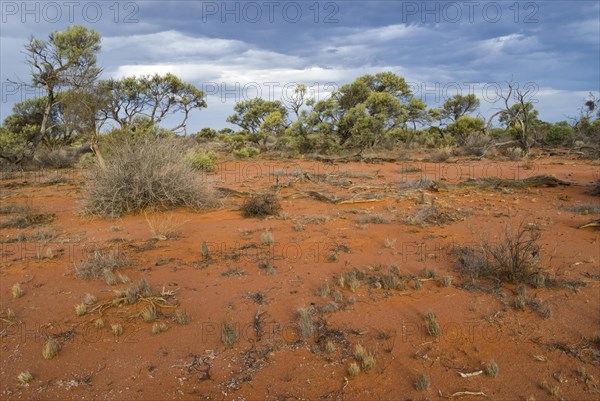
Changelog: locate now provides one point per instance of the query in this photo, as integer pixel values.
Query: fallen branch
(470, 374)
(229, 191)
(466, 393)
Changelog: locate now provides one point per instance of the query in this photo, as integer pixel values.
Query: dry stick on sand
(470, 374)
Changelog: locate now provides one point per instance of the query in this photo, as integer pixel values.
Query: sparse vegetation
(520, 302)
(360, 352)
(446, 281)
(50, 349)
(596, 338)
(422, 382)
(89, 299)
(116, 329)
(159, 327)
(513, 259)
(17, 290)
(428, 273)
(100, 263)
(25, 377)
(323, 290)
(261, 206)
(109, 277)
(23, 217)
(368, 362)
(229, 333)
(81, 309)
(99, 323)
(182, 317)
(373, 219)
(267, 238)
(546, 311)
(305, 322)
(551, 390)
(433, 327)
(353, 369)
(149, 314)
(585, 209)
(432, 214)
(491, 369)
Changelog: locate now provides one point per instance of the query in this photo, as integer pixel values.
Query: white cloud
(172, 44)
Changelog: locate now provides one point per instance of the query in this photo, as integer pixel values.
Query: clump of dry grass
(50, 349)
(182, 317)
(360, 352)
(353, 369)
(99, 323)
(261, 206)
(433, 327)
(229, 333)
(89, 299)
(305, 322)
(159, 327)
(432, 214)
(17, 290)
(267, 238)
(25, 377)
(323, 290)
(163, 227)
(148, 314)
(368, 362)
(446, 281)
(492, 369)
(422, 382)
(143, 174)
(375, 218)
(100, 263)
(116, 329)
(330, 346)
(81, 309)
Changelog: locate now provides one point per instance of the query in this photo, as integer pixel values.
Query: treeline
(374, 112)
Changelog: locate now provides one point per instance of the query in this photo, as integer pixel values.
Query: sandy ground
(256, 273)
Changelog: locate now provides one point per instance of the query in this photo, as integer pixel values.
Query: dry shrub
(145, 174)
(261, 205)
(23, 216)
(512, 259)
(56, 158)
(432, 214)
(99, 262)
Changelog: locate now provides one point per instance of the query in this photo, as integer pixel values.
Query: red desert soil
(244, 281)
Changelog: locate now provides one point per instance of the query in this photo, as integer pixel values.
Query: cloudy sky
(238, 50)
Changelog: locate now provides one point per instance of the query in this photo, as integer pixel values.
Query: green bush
(246, 152)
(203, 161)
(465, 127)
(558, 134)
